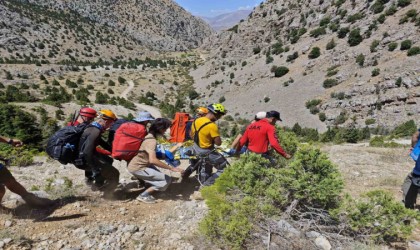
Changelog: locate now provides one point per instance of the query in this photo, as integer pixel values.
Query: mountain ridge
(283, 33)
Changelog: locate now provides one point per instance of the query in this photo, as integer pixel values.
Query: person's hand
(287, 156)
(177, 170)
(16, 143)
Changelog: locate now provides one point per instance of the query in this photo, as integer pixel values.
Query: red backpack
(127, 140)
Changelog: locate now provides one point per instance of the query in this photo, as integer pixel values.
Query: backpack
(127, 140)
(178, 127)
(64, 144)
(113, 129)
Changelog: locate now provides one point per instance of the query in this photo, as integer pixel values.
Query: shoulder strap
(196, 137)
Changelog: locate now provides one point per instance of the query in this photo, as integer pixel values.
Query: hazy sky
(216, 7)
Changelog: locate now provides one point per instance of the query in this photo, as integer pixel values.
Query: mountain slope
(99, 28)
(284, 33)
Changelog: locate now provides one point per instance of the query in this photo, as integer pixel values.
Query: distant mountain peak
(226, 20)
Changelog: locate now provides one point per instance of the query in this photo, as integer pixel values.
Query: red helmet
(87, 112)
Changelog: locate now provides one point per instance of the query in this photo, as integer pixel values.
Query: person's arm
(274, 142)
(155, 161)
(415, 138)
(89, 147)
(243, 140)
(13, 142)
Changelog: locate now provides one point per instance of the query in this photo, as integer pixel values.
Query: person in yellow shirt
(205, 134)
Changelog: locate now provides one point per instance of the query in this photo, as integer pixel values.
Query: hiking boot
(89, 181)
(146, 199)
(35, 201)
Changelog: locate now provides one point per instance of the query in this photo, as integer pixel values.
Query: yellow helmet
(201, 110)
(217, 108)
(107, 114)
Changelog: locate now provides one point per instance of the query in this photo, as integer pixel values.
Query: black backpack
(63, 146)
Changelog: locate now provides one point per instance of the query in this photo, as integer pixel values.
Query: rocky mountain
(321, 63)
(226, 20)
(87, 30)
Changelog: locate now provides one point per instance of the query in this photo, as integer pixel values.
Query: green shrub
(315, 53)
(342, 33)
(244, 63)
(376, 71)
(374, 45)
(355, 38)
(406, 129)
(318, 32)
(269, 59)
(325, 21)
(248, 191)
(403, 3)
(413, 51)
(377, 7)
(256, 50)
(330, 45)
(312, 103)
(277, 48)
(322, 116)
(234, 29)
(360, 59)
(292, 57)
(392, 46)
(328, 83)
(279, 71)
(406, 44)
(370, 121)
(355, 17)
(381, 18)
(391, 10)
(377, 215)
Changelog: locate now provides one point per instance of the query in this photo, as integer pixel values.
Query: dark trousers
(410, 191)
(103, 173)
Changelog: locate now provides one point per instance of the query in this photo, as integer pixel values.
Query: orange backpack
(178, 127)
(127, 140)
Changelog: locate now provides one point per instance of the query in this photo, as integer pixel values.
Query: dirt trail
(154, 111)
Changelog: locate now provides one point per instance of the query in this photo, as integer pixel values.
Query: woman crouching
(144, 164)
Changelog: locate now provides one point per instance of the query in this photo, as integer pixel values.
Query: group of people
(94, 155)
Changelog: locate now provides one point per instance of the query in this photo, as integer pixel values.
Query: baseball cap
(260, 115)
(274, 114)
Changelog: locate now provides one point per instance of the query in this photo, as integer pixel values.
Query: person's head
(273, 116)
(216, 111)
(106, 118)
(201, 111)
(260, 115)
(87, 115)
(159, 126)
(144, 117)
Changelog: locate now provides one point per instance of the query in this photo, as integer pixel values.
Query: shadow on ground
(25, 211)
(178, 190)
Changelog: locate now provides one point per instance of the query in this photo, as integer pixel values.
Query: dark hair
(158, 125)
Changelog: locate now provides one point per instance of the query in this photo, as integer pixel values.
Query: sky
(210, 8)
